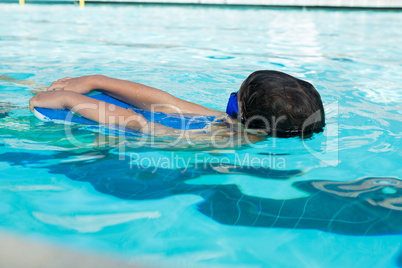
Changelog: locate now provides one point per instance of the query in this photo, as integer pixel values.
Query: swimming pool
(330, 201)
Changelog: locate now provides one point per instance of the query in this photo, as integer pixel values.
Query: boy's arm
(99, 111)
(90, 108)
(136, 94)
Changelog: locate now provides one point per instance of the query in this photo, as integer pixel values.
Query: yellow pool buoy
(22, 2)
(81, 2)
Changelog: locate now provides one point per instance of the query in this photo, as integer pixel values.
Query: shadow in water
(366, 206)
(399, 259)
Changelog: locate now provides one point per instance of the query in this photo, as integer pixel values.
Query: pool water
(329, 201)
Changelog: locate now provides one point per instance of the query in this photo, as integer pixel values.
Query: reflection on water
(367, 188)
(5, 108)
(366, 206)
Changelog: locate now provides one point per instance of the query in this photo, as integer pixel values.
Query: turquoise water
(331, 201)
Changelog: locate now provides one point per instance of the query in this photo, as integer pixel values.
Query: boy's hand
(51, 100)
(82, 85)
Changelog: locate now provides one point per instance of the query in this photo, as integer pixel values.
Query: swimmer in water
(268, 103)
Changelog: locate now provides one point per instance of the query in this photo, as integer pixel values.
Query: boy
(268, 102)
